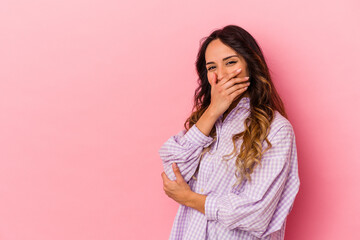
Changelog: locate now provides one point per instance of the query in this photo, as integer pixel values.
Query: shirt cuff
(211, 212)
(195, 136)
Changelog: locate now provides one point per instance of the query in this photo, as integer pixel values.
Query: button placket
(218, 126)
(206, 168)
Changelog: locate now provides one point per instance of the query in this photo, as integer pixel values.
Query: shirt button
(201, 190)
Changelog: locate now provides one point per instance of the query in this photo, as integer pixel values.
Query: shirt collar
(243, 103)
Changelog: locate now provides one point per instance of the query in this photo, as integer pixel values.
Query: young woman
(234, 167)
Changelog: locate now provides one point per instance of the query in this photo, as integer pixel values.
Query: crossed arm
(253, 208)
(181, 192)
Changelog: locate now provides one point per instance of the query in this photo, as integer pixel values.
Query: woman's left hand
(178, 190)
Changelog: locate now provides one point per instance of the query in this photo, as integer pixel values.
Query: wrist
(211, 113)
(189, 200)
(196, 201)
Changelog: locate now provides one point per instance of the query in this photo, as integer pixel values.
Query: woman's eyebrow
(224, 59)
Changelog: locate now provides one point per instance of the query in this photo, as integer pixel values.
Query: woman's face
(223, 60)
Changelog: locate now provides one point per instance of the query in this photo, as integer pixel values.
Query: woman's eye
(232, 62)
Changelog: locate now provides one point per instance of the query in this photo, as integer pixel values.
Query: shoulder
(280, 124)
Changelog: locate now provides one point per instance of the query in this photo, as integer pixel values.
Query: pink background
(90, 90)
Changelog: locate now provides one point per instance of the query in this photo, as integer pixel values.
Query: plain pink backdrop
(90, 90)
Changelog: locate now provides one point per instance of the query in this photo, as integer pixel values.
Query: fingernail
(238, 70)
(247, 78)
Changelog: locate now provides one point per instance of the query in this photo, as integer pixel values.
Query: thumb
(212, 79)
(177, 172)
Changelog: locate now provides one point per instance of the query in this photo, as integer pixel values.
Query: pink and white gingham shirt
(256, 210)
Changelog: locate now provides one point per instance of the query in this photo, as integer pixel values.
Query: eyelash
(228, 62)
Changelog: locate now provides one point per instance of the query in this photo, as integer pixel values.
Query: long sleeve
(252, 208)
(184, 149)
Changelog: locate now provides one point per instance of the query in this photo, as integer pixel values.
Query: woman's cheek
(209, 77)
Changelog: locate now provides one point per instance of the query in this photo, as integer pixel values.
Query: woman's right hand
(226, 90)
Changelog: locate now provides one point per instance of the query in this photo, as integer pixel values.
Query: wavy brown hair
(264, 99)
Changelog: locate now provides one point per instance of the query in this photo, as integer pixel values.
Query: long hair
(264, 99)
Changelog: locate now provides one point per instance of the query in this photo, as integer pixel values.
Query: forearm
(184, 149)
(207, 121)
(196, 201)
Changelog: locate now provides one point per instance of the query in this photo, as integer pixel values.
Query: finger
(230, 76)
(237, 86)
(177, 172)
(165, 177)
(242, 80)
(235, 82)
(238, 92)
